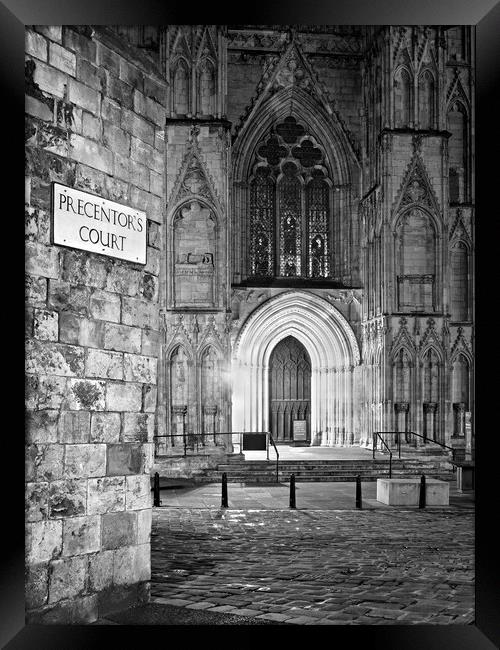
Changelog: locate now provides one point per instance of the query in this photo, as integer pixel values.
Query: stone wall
(95, 112)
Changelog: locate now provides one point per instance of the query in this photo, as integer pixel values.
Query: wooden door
(289, 388)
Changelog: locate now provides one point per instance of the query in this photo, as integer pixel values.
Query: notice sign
(91, 223)
(300, 429)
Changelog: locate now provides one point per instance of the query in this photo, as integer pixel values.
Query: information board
(300, 429)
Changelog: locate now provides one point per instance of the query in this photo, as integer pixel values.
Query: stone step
(306, 478)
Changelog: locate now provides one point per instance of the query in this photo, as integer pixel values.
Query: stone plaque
(300, 429)
(91, 223)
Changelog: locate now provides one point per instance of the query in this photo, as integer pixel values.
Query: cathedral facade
(318, 242)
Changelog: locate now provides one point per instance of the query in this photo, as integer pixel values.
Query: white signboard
(300, 429)
(91, 223)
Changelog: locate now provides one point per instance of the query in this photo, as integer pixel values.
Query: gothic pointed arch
(416, 190)
(403, 97)
(426, 98)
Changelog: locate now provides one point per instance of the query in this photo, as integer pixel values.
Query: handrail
(189, 439)
(277, 456)
(375, 433)
(436, 442)
(426, 439)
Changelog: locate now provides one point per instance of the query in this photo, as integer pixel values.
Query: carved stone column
(430, 410)
(402, 409)
(209, 428)
(178, 427)
(459, 419)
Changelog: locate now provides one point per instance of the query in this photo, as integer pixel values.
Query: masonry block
(88, 152)
(106, 494)
(35, 290)
(36, 501)
(138, 492)
(37, 585)
(67, 578)
(137, 126)
(81, 535)
(405, 492)
(51, 391)
(43, 541)
(124, 459)
(139, 312)
(86, 394)
(123, 280)
(67, 498)
(105, 427)
(119, 529)
(41, 260)
(138, 427)
(44, 462)
(63, 59)
(149, 398)
(140, 368)
(42, 426)
(100, 570)
(104, 364)
(83, 46)
(144, 520)
(150, 342)
(74, 427)
(123, 397)
(85, 460)
(122, 338)
(36, 45)
(46, 325)
(75, 611)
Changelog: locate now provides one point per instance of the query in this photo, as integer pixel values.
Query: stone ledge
(406, 491)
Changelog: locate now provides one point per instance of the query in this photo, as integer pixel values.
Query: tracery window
(290, 206)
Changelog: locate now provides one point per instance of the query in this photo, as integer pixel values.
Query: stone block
(138, 427)
(46, 325)
(149, 283)
(90, 75)
(124, 459)
(149, 398)
(36, 496)
(140, 368)
(406, 492)
(154, 234)
(139, 312)
(91, 153)
(139, 174)
(43, 541)
(51, 391)
(149, 203)
(41, 426)
(79, 268)
(137, 126)
(67, 578)
(53, 32)
(105, 427)
(119, 529)
(62, 59)
(37, 585)
(58, 294)
(36, 45)
(67, 498)
(35, 290)
(150, 342)
(120, 91)
(88, 460)
(83, 46)
(149, 108)
(49, 79)
(47, 358)
(69, 327)
(74, 427)
(138, 492)
(38, 109)
(123, 280)
(157, 90)
(75, 611)
(122, 338)
(148, 455)
(110, 110)
(116, 139)
(124, 566)
(108, 59)
(106, 494)
(104, 364)
(44, 462)
(153, 261)
(122, 597)
(100, 570)
(92, 333)
(86, 395)
(131, 74)
(79, 299)
(144, 520)
(156, 183)
(41, 260)
(81, 535)
(91, 126)
(123, 397)
(142, 152)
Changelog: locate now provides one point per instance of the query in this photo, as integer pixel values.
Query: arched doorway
(290, 391)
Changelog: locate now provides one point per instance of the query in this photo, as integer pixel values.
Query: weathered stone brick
(41, 260)
(148, 108)
(132, 564)
(86, 394)
(67, 498)
(149, 395)
(36, 225)
(160, 140)
(144, 519)
(46, 325)
(80, 268)
(110, 111)
(155, 89)
(90, 75)
(152, 205)
(139, 312)
(36, 496)
(62, 59)
(37, 585)
(108, 59)
(138, 492)
(105, 427)
(76, 611)
(79, 299)
(140, 368)
(120, 91)
(74, 427)
(41, 426)
(122, 338)
(139, 174)
(69, 326)
(91, 126)
(81, 535)
(92, 333)
(149, 286)
(54, 359)
(51, 392)
(148, 455)
(123, 280)
(36, 45)
(100, 570)
(146, 154)
(101, 363)
(116, 139)
(123, 397)
(28, 322)
(137, 126)
(131, 74)
(119, 529)
(154, 235)
(150, 342)
(137, 427)
(67, 578)
(58, 294)
(43, 540)
(153, 261)
(35, 290)
(124, 459)
(36, 108)
(88, 460)
(91, 153)
(83, 46)
(54, 32)
(156, 184)
(116, 189)
(106, 494)
(44, 462)
(49, 79)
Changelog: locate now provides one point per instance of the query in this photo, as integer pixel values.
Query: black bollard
(156, 490)
(358, 492)
(421, 500)
(224, 490)
(292, 491)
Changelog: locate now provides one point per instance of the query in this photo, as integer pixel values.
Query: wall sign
(91, 223)
(300, 429)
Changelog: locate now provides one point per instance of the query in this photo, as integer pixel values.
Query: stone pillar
(459, 419)
(178, 427)
(402, 410)
(429, 429)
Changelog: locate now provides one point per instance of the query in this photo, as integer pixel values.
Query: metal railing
(407, 436)
(376, 435)
(190, 443)
(270, 438)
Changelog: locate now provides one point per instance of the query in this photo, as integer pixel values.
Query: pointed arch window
(290, 205)
(402, 98)
(181, 88)
(426, 100)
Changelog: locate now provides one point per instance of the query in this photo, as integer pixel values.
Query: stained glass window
(290, 206)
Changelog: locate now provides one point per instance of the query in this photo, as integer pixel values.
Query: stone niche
(195, 236)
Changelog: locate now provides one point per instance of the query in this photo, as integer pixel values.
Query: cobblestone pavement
(373, 566)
